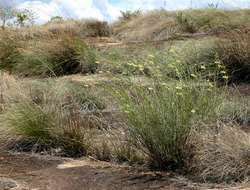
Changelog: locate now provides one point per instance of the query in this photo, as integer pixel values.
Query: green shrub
(97, 28)
(8, 51)
(54, 57)
(30, 121)
(73, 57)
(207, 20)
(127, 15)
(51, 115)
(185, 23)
(161, 118)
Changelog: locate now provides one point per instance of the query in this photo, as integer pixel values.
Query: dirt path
(26, 172)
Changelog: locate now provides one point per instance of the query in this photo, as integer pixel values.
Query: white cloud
(71, 9)
(104, 10)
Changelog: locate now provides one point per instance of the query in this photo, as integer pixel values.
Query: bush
(127, 15)
(96, 28)
(234, 53)
(186, 24)
(8, 51)
(56, 57)
(49, 116)
(161, 119)
(209, 20)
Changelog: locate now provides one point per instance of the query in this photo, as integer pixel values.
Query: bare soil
(34, 172)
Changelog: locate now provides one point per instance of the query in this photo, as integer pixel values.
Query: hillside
(155, 100)
(160, 25)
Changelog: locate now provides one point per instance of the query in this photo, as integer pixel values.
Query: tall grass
(50, 116)
(234, 53)
(161, 118)
(161, 24)
(46, 57)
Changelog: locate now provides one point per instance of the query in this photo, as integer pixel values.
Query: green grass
(51, 115)
(63, 55)
(161, 118)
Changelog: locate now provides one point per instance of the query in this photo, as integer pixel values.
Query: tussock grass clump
(79, 28)
(161, 119)
(49, 57)
(9, 50)
(52, 115)
(234, 53)
(205, 20)
(95, 28)
(223, 156)
(236, 109)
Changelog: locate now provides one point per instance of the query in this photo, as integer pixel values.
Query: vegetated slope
(161, 24)
(78, 28)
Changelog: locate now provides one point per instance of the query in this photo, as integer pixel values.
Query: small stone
(7, 184)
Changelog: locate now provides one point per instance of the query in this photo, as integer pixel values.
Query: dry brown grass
(153, 25)
(234, 52)
(77, 28)
(224, 155)
(160, 24)
(47, 115)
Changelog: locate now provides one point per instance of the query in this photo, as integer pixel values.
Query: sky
(110, 9)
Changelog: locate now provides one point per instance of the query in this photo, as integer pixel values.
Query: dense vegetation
(175, 106)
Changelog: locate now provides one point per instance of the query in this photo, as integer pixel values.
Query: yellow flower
(217, 62)
(97, 62)
(86, 85)
(178, 88)
(179, 94)
(209, 90)
(211, 85)
(172, 51)
(171, 66)
(150, 88)
(225, 77)
(193, 75)
(193, 111)
(151, 56)
(220, 66)
(203, 67)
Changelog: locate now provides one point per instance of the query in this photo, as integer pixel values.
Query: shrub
(127, 15)
(234, 53)
(185, 23)
(8, 51)
(161, 119)
(97, 28)
(206, 20)
(30, 121)
(54, 58)
(52, 115)
(223, 156)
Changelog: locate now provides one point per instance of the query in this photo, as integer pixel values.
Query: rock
(7, 184)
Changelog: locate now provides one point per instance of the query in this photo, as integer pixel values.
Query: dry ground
(33, 172)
